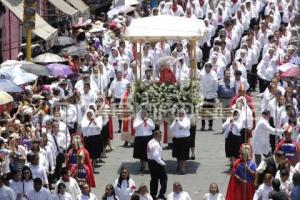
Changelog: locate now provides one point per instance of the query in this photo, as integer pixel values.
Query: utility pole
(29, 23)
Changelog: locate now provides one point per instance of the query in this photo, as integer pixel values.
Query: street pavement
(210, 165)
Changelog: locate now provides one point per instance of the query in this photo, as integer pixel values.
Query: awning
(81, 6)
(42, 28)
(64, 7)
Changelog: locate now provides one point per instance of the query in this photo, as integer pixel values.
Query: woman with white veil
(231, 130)
(180, 129)
(100, 78)
(91, 131)
(143, 127)
(245, 116)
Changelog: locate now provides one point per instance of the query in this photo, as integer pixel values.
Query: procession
(150, 99)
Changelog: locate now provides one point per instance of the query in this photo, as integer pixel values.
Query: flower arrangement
(162, 100)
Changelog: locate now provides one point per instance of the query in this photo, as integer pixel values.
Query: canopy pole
(136, 57)
(140, 65)
(193, 61)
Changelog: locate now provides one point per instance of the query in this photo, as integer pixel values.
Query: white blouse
(126, 190)
(181, 128)
(217, 196)
(143, 128)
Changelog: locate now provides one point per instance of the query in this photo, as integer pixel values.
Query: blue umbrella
(9, 86)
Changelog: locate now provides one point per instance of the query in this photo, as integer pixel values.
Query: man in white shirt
(209, 88)
(39, 192)
(157, 166)
(37, 170)
(116, 91)
(5, 192)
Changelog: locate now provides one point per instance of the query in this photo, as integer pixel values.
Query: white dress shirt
(209, 84)
(84, 197)
(181, 128)
(125, 190)
(6, 193)
(143, 128)
(154, 152)
(217, 196)
(261, 141)
(39, 172)
(43, 194)
(117, 88)
(179, 196)
(65, 196)
(262, 192)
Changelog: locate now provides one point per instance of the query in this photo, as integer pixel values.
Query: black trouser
(60, 159)
(116, 104)
(208, 103)
(193, 135)
(157, 173)
(258, 158)
(251, 76)
(263, 84)
(272, 137)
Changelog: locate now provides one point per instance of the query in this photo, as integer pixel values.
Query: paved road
(208, 167)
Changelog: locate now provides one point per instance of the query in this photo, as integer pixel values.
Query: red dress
(167, 76)
(236, 190)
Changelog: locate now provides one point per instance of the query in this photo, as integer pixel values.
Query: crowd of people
(58, 129)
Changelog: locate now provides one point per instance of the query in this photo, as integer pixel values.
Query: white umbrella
(97, 28)
(64, 41)
(286, 66)
(48, 58)
(126, 2)
(5, 98)
(116, 10)
(22, 78)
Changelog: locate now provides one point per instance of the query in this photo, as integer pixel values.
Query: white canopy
(165, 27)
(126, 2)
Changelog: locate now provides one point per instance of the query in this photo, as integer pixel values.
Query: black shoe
(125, 144)
(161, 197)
(192, 158)
(141, 169)
(202, 129)
(210, 129)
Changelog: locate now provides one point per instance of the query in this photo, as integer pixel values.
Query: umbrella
(97, 28)
(286, 66)
(27, 67)
(77, 51)
(9, 72)
(22, 78)
(166, 60)
(17, 75)
(5, 98)
(34, 68)
(64, 41)
(126, 2)
(293, 72)
(48, 58)
(116, 10)
(59, 69)
(9, 86)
